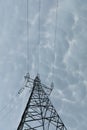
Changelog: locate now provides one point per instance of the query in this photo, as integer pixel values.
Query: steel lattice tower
(39, 113)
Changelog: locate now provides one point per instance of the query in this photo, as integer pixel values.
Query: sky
(64, 62)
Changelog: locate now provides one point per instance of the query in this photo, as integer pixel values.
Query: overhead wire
(55, 34)
(9, 108)
(28, 45)
(39, 35)
(28, 39)
(39, 40)
(6, 114)
(12, 100)
(6, 106)
(27, 60)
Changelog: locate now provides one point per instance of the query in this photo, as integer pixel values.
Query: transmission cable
(55, 33)
(11, 100)
(27, 62)
(39, 35)
(28, 39)
(6, 106)
(7, 109)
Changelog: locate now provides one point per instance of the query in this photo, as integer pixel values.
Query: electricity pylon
(39, 113)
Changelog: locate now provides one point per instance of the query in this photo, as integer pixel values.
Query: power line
(8, 109)
(27, 61)
(56, 18)
(55, 32)
(39, 36)
(28, 38)
(5, 107)
(11, 101)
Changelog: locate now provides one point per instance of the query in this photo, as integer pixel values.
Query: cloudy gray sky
(64, 62)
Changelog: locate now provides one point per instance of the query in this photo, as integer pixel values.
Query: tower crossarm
(46, 88)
